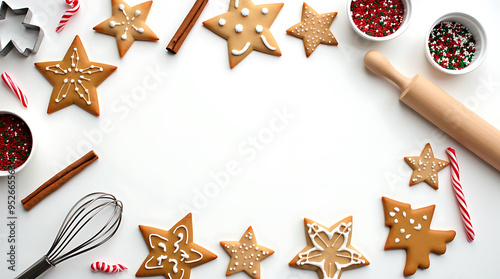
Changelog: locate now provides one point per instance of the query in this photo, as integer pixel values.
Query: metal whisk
(80, 216)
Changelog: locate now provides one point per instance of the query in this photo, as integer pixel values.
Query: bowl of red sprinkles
(456, 43)
(379, 20)
(16, 143)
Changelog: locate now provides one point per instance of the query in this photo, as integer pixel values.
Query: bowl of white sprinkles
(456, 43)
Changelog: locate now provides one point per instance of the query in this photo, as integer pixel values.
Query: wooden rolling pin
(442, 110)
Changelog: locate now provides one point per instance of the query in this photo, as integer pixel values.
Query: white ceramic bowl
(478, 33)
(6, 173)
(401, 30)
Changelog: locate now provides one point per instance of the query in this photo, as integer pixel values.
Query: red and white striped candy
(106, 268)
(75, 6)
(15, 89)
(459, 194)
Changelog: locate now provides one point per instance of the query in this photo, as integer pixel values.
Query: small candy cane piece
(106, 268)
(459, 194)
(15, 89)
(75, 6)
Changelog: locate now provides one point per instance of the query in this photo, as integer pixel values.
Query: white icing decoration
(266, 43)
(396, 209)
(174, 268)
(424, 217)
(402, 230)
(259, 28)
(243, 50)
(245, 12)
(176, 244)
(124, 36)
(313, 233)
(396, 240)
(199, 259)
(392, 214)
(137, 13)
(156, 235)
(418, 227)
(161, 258)
(151, 267)
(187, 232)
(222, 22)
(238, 28)
(265, 11)
(396, 221)
(184, 255)
(162, 246)
(407, 236)
(412, 221)
(404, 214)
(236, 2)
(79, 82)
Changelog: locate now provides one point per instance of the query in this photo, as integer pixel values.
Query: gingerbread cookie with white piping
(410, 230)
(172, 253)
(329, 251)
(314, 29)
(246, 28)
(426, 167)
(75, 79)
(127, 24)
(246, 254)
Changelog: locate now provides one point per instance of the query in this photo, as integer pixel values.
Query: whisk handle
(37, 270)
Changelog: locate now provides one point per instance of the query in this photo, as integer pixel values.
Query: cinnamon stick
(187, 24)
(58, 180)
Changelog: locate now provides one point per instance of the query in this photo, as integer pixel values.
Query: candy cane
(15, 89)
(106, 268)
(459, 194)
(75, 6)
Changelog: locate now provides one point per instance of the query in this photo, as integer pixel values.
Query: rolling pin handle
(378, 64)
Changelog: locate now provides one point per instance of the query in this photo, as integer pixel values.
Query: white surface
(339, 154)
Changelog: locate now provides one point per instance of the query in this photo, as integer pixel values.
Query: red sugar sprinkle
(15, 142)
(377, 18)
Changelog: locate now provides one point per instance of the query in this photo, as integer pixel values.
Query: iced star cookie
(246, 254)
(410, 230)
(75, 79)
(127, 24)
(314, 29)
(426, 167)
(329, 251)
(246, 28)
(172, 253)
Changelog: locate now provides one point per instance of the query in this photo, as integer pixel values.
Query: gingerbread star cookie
(172, 253)
(75, 79)
(426, 167)
(410, 230)
(246, 254)
(127, 24)
(314, 29)
(246, 28)
(329, 251)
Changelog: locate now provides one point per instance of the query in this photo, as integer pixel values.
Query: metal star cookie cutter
(12, 44)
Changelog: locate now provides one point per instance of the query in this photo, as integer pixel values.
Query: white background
(342, 151)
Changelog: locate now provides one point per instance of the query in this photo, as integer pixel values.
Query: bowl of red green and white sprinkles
(379, 20)
(456, 44)
(16, 143)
